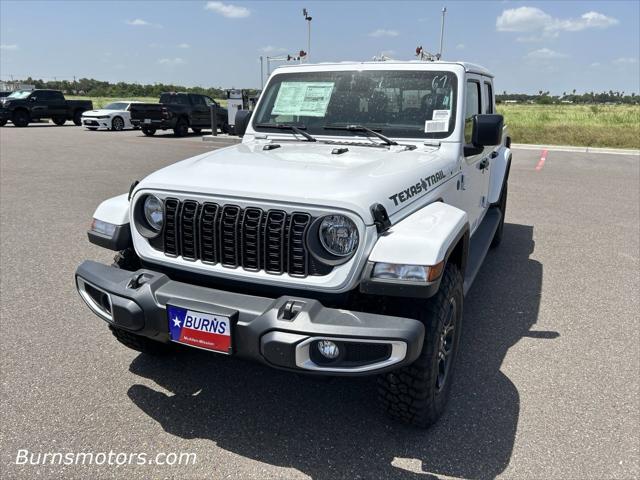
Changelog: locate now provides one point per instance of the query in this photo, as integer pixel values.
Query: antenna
(444, 11)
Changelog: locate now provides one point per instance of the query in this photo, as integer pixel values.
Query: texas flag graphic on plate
(198, 329)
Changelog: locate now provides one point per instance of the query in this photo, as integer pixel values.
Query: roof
(468, 67)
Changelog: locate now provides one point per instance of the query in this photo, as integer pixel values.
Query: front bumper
(278, 332)
(94, 122)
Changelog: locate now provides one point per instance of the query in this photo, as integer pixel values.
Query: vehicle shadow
(332, 428)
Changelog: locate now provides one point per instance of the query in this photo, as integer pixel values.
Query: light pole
(308, 18)
(261, 73)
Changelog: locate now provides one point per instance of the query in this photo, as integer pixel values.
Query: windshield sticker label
(306, 99)
(439, 122)
(441, 115)
(422, 186)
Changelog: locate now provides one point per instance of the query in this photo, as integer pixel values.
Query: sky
(530, 46)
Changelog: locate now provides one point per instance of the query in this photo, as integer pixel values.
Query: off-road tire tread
(405, 393)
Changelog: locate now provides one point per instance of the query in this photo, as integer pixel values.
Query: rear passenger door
(200, 111)
(57, 104)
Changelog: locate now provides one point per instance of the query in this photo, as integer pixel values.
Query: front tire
(117, 124)
(418, 393)
(149, 131)
(3, 122)
(20, 118)
(128, 260)
(77, 117)
(197, 131)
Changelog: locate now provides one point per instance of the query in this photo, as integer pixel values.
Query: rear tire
(77, 117)
(418, 393)
(20, 118)
(92, 128)
(59, 120)
(197, 131)
(502, 206)
(117, 124)
(3, 122)
(149, 131)
(181, 129)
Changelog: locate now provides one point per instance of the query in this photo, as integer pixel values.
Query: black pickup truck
(179, 112)
(24, 106)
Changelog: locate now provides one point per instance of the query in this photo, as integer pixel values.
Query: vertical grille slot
(188, 229)
(171, 208)
(208, 216)
(251, 238)
(298, 259)
(229, 235)
(274, 241)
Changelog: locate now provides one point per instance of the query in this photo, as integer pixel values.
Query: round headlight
(154, 212)
(338, 235)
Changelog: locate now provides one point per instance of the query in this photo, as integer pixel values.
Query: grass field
(615, 126)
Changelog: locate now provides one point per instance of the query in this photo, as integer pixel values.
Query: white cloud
(184, 45)
(545, 26)
(595, 64)
(545, 54)
(381, 32)
(272, 49)
(138, 22)
(625, 61)
(228, 10)
(172, 62)
(5, 46)
(460, 46)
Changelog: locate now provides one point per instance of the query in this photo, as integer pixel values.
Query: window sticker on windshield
(307, 99)
(439, 122)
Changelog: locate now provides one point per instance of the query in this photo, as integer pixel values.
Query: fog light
(328, 349)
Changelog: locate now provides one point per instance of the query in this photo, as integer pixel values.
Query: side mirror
(33, 99)
(242, 122)
(487, 132)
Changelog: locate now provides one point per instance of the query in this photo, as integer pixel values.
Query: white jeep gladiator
(339, 238)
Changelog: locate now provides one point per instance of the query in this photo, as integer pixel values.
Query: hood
(96, 113)
(309, 173)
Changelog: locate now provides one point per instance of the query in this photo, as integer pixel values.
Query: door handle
(484, 163)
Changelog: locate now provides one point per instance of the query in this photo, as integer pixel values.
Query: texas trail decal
(203, 330)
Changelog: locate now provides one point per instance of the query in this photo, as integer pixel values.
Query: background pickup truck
(24, 106)
(179, 112)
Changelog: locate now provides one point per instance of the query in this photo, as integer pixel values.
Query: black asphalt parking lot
(547, 382)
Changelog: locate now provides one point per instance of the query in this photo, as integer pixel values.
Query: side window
(209, 102)
(472, 108)
(488, 95)
(56, 96)
(197, 100)
(43, 96)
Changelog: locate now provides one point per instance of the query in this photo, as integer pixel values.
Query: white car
(114, 116)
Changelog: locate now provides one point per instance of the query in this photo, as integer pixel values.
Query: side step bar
(479, 245)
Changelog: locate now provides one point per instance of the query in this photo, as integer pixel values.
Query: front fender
(423, 238)
(114, 211)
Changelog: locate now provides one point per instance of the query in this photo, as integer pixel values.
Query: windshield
(20, 94)
(116, 106)
(396, 103)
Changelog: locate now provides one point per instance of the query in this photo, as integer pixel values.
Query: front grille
(251, 238)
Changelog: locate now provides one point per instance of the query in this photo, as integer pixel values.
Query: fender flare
(436, 233)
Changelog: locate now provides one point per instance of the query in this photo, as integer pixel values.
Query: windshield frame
(407, 131)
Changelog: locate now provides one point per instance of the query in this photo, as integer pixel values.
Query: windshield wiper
(293, 128)
(361, 128)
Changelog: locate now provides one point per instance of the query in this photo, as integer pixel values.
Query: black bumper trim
(257, 316)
